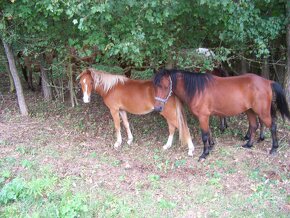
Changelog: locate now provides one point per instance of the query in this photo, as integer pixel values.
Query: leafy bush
(12, 191)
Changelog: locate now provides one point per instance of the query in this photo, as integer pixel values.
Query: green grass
(66, 167)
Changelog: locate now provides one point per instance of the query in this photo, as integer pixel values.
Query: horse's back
(133, 96)
(233, 95)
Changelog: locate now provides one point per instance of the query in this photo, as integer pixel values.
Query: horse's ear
(82, 73)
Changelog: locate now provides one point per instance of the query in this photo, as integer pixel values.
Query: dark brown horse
(207, 95)
(121, 95)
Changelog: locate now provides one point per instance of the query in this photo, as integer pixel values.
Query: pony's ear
(82, 73)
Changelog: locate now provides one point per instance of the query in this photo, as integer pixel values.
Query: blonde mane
(107, 80)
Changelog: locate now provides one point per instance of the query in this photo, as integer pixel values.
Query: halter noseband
(164, 100)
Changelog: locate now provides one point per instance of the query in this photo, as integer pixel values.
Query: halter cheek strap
(164, 100)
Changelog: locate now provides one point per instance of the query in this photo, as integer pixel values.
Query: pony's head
(163, 89)
(86, 82)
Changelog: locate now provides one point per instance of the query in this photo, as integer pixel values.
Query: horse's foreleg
(171, 129)
(252, 128)
(127, 126)
(116, 118)
(205, 134)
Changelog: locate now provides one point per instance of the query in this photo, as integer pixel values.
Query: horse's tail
(280, 101)
(184, 133)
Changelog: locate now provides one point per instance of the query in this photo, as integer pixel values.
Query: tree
(287, 77)
(18, 86)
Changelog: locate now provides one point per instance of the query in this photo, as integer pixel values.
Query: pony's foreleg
(127, 126)
(205, 134)
(171, 129)
(116, 118)
(252, 128)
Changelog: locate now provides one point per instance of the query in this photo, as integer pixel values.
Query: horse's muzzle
(86, 99)
(158, 108)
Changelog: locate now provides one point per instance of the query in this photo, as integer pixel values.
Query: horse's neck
(179, 89)
(100, 90)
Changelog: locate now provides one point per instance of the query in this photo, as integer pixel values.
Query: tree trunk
(18, 86)
(73, 98)
(12, 87)
(244, 66)
(45, 87)
(266, 69)
(287, 76)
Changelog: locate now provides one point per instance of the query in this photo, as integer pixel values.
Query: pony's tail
(184, 133)
(281, 101)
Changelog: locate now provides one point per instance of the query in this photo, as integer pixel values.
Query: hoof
(247, 137)
(273, 151)
(117, 145)
(261, 139)
(247, 146)
(202, 157)
(165, 147)
(190, 153)
(130, 141)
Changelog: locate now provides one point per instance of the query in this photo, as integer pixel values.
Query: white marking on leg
(127, 126)
(86, 97)
(190, 147)
(168, 143)
(119, 140)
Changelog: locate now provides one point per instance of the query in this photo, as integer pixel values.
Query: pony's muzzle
(158, 108)
(86, 99)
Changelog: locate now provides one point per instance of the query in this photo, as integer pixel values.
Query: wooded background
(56, 39)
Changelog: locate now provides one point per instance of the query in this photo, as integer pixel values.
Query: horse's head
(163, 90)
(86, 82)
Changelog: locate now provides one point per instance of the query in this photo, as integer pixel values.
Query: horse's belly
(139, 110)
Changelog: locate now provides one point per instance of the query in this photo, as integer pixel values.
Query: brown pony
(121, 95)
(207, 95)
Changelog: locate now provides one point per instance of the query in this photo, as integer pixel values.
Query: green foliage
(144, 33)
(13, 191)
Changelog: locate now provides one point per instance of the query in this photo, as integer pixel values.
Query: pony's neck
(179, 89)
(100, 90)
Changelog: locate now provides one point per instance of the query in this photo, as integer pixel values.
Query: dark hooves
(261, 139)
(202, 157)
(247, 137)
(247, 146)
(273, 151)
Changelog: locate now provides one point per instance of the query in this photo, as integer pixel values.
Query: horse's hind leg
(252, 128)
(127, 126)
(116, 118)
(262, 135)
(171, 129)
(274, 136)
(223, 124)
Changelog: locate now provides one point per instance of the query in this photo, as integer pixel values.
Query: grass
(61, 164)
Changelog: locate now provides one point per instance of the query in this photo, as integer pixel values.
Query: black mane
(194, 83)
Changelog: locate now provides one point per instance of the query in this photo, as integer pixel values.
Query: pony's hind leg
(252, 128)
(262, 135)
(171, 129)
(223, 124)
(127, 126)
(116, 118)
(274, 136)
